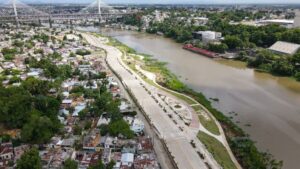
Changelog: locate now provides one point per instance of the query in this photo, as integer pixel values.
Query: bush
(83, 52)
(297, 76)
(283, 68)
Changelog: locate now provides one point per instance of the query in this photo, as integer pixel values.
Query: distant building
(297, 19)
(208, 36)
(283, 22)
(200, 21)
(285, 48)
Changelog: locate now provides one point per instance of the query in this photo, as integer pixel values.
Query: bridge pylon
(99, 10)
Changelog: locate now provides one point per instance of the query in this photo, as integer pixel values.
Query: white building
(208, 36)
(285, 48)
(137, 126)
(283, 22)
(72, 37)
(127, 159)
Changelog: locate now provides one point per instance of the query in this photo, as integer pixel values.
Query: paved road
(178, 142)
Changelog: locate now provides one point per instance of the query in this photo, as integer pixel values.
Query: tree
(120, 127)
(220, 48)
(39, 129)
(29, 160)
(77, 130)
(297, 76)
(296, 59)
(111, 165)
(282, 67)
(36, 86)
(233, 42)
(70, 164)
(99, 165)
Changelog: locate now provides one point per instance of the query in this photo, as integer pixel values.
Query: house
(19, 151)
(54, 158)
(124, 106)
(103, 120)
(87, 159)
(66, 103)
(137, 126)
(107, 142)
(68, 142)
(146, 161)
(283, 22)
(78, 108)
(144, 145)
(6, 154)
(72, 37)
(127, 159)
(286, 48)
(106, 155)
(92, 140)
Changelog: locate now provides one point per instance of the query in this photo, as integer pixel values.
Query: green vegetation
(9, 53)
(252, 159)
(134, 20)
(51, 70)
(41, 37)
(70, 164)
(267, 61)
(104, 103)
(218, 151)
(30, 159)
(209, 124)
(100, 165)
(120, 127)
(30, 108)
(83, 52)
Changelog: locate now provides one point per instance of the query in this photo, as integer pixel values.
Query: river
(267, 107)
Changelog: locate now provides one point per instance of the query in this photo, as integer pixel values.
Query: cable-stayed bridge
(18, 12)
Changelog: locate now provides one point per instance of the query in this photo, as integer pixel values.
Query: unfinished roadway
(177, 141)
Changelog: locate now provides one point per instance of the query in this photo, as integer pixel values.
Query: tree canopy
(30, 159)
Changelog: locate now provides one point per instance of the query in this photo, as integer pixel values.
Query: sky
(164, 1)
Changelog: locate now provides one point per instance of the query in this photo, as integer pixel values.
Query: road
(177, 141)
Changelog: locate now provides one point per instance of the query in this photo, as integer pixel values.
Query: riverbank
(172, 131)
(234, 134)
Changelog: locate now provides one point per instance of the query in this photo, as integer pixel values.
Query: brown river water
(271, 105)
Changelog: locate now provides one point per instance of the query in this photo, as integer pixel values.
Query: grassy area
(218, 151)
(210, 125)
(150, 66)
(182, 97)
(197, 108)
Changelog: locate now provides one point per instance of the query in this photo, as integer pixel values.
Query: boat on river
(201, 51)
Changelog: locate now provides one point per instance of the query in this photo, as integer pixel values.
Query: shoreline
(231, 129)
(176, 141)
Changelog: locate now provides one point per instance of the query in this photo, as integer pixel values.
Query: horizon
(166, 2)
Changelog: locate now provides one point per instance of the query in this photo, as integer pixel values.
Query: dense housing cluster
(61, 107)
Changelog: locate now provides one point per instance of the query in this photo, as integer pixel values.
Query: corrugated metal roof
(285, 47)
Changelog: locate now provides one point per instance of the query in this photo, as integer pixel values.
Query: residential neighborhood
(86, 135)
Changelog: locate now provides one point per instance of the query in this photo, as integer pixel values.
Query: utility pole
(16, 13)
